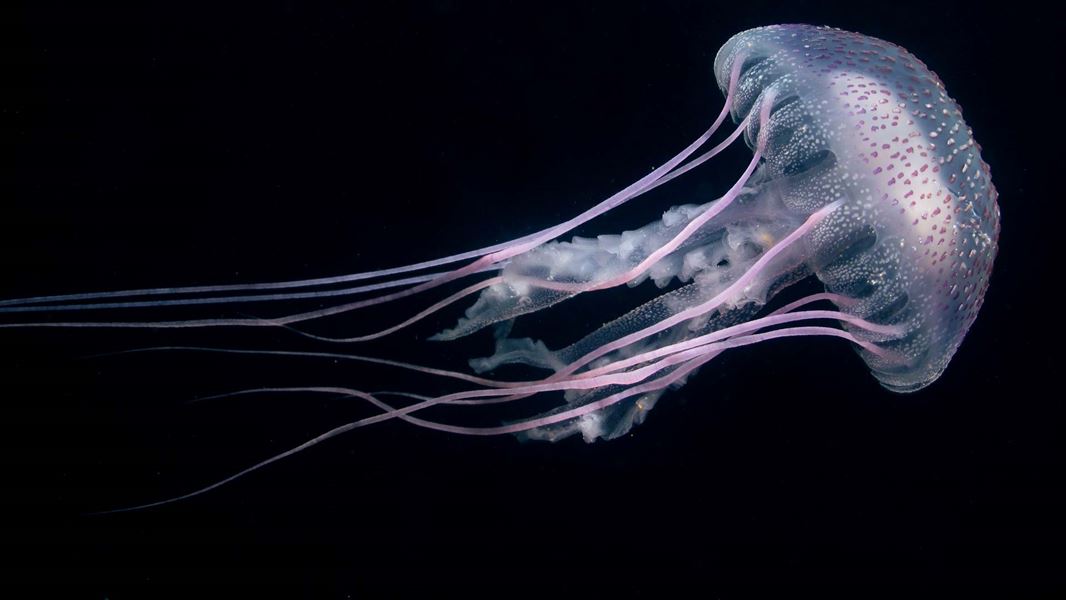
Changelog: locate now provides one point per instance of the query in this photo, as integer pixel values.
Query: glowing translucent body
(863, 174)
(870, 123)
(855, 120)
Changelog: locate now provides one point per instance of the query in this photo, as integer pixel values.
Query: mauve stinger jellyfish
(863, 174)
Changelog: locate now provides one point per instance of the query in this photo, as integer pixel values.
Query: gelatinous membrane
(916, 245)
(863, 174)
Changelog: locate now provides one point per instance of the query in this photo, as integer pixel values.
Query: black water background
(199, 145)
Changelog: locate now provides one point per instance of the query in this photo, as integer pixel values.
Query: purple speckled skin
(862, 119)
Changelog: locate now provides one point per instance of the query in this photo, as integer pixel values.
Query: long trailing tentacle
(510, 387)
(514, 392)
(638, 381)
(779, 317)
(714, 210)
(310, 295)
(487, 262)
(486, 259)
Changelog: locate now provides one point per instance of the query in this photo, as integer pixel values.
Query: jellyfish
(863, 174)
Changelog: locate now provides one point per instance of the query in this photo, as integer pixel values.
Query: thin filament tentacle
(686, 362)
(465, 292)
(508, 387)
(714, 210)
(486, 258)
(310, 295)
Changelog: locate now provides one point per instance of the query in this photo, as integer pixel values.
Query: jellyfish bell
(864, 119)
(863, 174)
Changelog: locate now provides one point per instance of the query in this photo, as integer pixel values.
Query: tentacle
(690, 359)
(731, 295)
(304, 446)
(313, 295)
(559, 271)
(685, 362)
(717, 301)
(741, 330)
(690, 313)
(330, 355)
(486, 259)
(477, 287)
(690, 228)
(555, 383)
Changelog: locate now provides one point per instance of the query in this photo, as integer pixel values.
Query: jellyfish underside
(804, 206)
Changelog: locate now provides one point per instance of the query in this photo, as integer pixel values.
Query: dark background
(198, 145)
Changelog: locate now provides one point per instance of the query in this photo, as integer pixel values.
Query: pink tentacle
(692, 227)
(688, 362)
(488, 257)
(715, 302)
(317, 294)
(473, 289)
(776, 318)
(332, 355)
(738, 330)
(692, 359)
